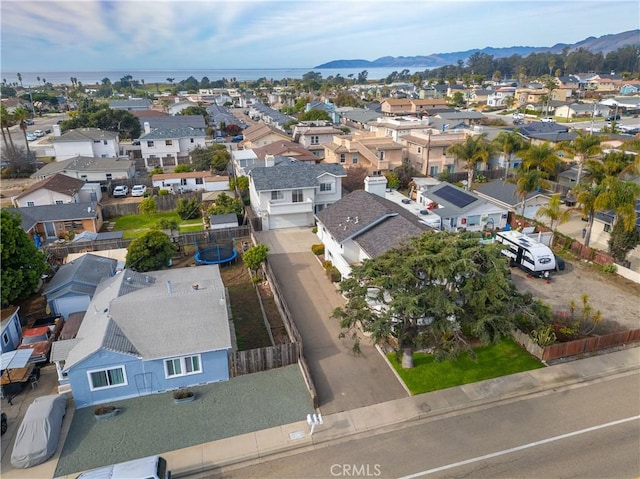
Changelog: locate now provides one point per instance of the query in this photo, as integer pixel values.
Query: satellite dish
(464, 182)
(89, 209)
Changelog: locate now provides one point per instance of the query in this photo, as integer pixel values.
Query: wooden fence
(578, 346)
(164, 203)
(262, 359)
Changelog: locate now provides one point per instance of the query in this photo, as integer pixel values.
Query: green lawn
(135, 225)
(493, 360)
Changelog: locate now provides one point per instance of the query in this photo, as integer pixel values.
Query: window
(607, 228)
(59, 202)
(199, 181)
(108, 176)
(5, 339)
(315, 140)
(168, 142)
(83, 177)
(276, 195)
(354, 158)
(30, 203)
(419, 150)
(104, 142)
(191, 140)
(150, 144)
(325, 187)
(182, 366)
(433, 171)
(473, 220)
(107, 378)
(183, 181)
(343, 158)
(296, 196)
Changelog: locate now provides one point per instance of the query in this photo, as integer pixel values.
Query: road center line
(520, 448)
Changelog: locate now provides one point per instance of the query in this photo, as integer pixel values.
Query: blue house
(11, 333)
(148, 333)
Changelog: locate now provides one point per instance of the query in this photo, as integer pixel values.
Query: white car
(138, 190)
(31, 137)
(121, 190)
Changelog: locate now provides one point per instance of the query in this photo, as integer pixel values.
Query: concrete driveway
(343, 380)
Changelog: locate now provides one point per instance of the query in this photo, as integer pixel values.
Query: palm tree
(620, 197)
(586, 196)
(541, 157)
(583, 147)
(554, 212)
(509, 143)
(473, 151)
(21, 115)
(7, 121)
(20, 78)
(528, 181)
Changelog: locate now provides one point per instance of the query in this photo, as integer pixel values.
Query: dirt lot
(617, 298)
(13, 187)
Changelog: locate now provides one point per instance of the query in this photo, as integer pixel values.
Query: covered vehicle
(38, 435)
(153, 467)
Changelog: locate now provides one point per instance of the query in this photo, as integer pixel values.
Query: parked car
(138, 190)
(154, 467)
(237, 138)
(219, 139)
(548, 120)
(31, 137)
(39, 133)
(3, 422)
(121, 190)
(30, 122)
(38, 435)
(613, 117)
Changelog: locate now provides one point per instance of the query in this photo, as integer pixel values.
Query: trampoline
(215, 255)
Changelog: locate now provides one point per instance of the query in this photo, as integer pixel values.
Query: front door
(50, 229)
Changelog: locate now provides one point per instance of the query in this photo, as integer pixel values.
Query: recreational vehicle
(528, 254)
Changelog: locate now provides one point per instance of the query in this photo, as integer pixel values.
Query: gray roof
(60, 349)
(461, 115)
(360, 115)
(81, 275)
(375, 223)
(141, 315)
(447, 206)
(503, 192)
(138, 103)
(223, 219)
(84, 164)
(32, 215)
(295, 174)
(85, 134)
(170, 133)
(177, 121)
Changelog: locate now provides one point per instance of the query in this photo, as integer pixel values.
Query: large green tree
(474, 151)
(509, 143)
(22, 263)
(433, 293)
(584, 146)
(149, 252)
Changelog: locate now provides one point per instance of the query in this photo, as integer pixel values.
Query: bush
(335, 275)
(182, 394)
(104, 409)
(317, 249)
(188, 209)
(327, 264)
(163, 192)
(610, 268)
(314, 230)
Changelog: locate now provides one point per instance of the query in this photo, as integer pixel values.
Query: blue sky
(86, 35)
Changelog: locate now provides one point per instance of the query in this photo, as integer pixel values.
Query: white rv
(528, 254)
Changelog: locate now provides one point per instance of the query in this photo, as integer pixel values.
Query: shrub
(610, 268)
(334, 275)
(327, 264)
(314, 230)
(182, 394)
(163, 192)
(188, 209)
(104, 409)
(317, 249)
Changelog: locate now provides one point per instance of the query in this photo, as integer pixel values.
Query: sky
(87, 35)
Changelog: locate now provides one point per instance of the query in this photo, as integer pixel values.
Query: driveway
(343, 381)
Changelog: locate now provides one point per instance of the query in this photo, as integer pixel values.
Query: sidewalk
(293, 438)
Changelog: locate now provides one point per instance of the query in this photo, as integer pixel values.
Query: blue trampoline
(215, 255)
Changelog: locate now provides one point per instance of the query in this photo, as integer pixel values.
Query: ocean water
(160, 76)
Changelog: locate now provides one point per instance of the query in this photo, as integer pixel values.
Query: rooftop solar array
(455, 197)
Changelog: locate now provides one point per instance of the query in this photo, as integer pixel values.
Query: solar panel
(454, 196)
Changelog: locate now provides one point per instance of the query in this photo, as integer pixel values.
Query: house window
(59, 202)
(325, 187)
(276, 195)
(199, 181)
(104, 142)
(183, 181)
(419, 150)
(5, 339)
(96, 141)
(150, 144)
(108, 176)
(296, 196)
(30, 203)
(191, 140)
(343, 158)
(168, 142)
(182, 366)
(607, 228)
(315, 140)
(473, 220)
(107, 378)
(354, 158)
(433, 171)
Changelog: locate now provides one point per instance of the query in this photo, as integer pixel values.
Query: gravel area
(155, 424)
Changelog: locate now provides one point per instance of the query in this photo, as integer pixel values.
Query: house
(75, 282)
(377, 155)
(85, 142)
(603, 225)
(462, 210)
(54, 190)
(357, 118)
(287, 195)
(269, 116)
(326, 106)
(538, 132)
(171, 122)
(178, 105)
(504, 194)
(365, 225)
(399, 126)
(10, 329)
(259, 135)
(499, 96)
(403, 106)
(312, 136)
(169, 146)
(131, 104)
(286, 148)
(148, 333)
(220, 116)
(190, 181)
(89, 168)
(244, 160)
(51, 222)
(220, 222)
(578, 110)
(11, 104)
(427, 153)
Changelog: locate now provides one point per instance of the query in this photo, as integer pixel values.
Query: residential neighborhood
(288, 265)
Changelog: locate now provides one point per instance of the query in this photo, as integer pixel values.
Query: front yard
(493, 360)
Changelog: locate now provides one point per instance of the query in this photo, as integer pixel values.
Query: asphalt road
(591, 430)
(40, 123)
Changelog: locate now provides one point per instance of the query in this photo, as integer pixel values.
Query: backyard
(135, 225)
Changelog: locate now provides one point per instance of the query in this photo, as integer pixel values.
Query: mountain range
(603, 44)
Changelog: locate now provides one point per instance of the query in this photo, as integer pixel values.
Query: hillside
(603, 44)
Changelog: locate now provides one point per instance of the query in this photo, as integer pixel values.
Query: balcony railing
(283, 208)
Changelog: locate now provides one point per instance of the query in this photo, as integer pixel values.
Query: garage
(290, 221)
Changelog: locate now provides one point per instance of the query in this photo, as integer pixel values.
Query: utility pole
(33, 107)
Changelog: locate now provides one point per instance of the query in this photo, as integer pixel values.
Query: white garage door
(70, 304)
(290, 221)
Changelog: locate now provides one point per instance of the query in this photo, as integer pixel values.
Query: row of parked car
(123, 190)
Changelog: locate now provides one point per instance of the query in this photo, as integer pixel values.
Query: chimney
(147, 127)
(376, 185)
(169, 290)
(56, 130)
(269, 160)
